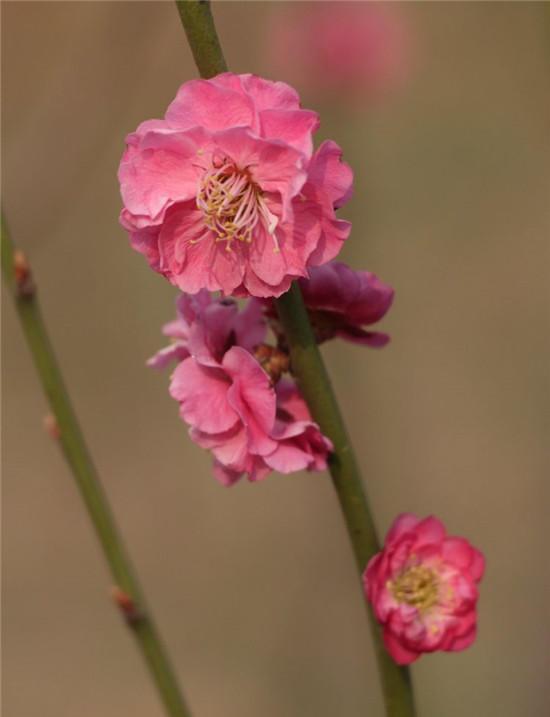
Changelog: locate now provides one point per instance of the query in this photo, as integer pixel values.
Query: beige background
(254, 587)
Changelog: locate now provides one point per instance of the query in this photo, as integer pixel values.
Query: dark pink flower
(342, 301)
(355, 50)
(225, 193)
(229, 401)
(423, 588)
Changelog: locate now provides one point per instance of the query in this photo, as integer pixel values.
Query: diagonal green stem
(311, 374)
(309, 369)
(127, 594)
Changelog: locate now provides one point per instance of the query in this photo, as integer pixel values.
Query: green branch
(126, 593)
(308, 368)
(199, 27)
(310, 372)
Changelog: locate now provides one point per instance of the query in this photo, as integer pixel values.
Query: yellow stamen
(233, 204)
(417, 586)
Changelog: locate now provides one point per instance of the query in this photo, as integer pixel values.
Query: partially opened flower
(225, 193)
(423, 588)
(341, 302)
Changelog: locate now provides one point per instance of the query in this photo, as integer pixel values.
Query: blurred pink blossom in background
(356, 50)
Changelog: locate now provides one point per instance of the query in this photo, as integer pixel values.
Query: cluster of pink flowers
(226, 194)
(229, 400)
(229, 382)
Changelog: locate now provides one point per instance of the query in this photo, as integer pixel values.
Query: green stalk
(311, 374)
(309, 369)
(126, 593)
(198, 23)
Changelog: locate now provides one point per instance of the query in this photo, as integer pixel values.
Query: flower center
(232, 203)
(417, 586)
(274, 361)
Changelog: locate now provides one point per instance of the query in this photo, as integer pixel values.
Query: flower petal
(252, 397)
(295, 128)
(202, 394)
(206, 104)
(164, 357)
(399, 653)
(154, 177)
(327, 171)
(404, 523)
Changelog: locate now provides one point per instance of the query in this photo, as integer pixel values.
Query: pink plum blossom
(226, 193)
(252, 422)
(342, 301)
(355, 50)
(423, 588)
(204, 326)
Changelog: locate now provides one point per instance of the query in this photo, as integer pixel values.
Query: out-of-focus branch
(63, 426)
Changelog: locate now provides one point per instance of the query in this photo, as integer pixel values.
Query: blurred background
(445, 120)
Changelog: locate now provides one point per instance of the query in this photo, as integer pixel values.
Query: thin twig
(127, 594)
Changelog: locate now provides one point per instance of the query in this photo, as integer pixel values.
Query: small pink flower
(423, 588)
(227, 398)
(355, 50)
(225, 193)
(341, 301)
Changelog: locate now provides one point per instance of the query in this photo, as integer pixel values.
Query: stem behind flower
(310, 372)
(198, 23)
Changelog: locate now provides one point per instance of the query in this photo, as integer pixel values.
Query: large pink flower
(225, 193)
(423, 588)
(251, 421)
